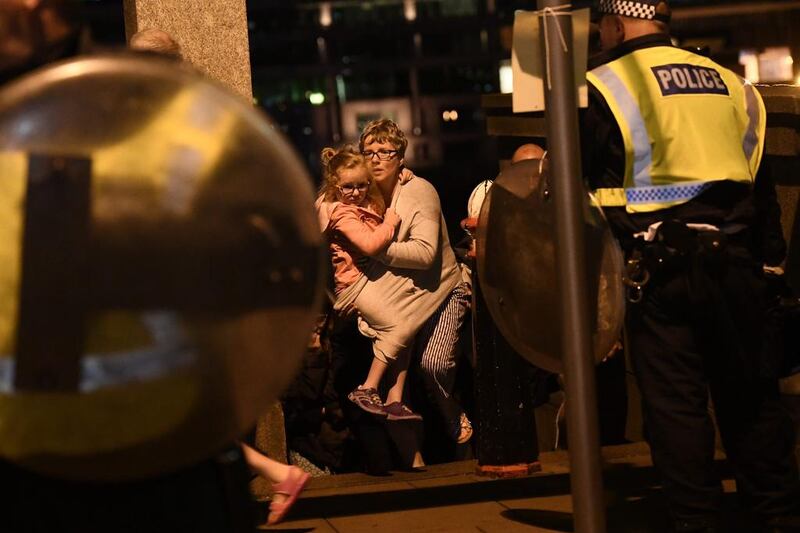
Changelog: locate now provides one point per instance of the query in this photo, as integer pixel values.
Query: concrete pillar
(212, 34)
(213, 37)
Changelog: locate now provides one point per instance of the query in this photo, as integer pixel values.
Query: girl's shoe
(398, 411)
(291, 487)
(368, 400)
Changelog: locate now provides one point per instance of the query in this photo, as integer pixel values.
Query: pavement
(453, 498)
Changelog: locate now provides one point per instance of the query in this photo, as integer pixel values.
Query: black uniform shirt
(725, 204)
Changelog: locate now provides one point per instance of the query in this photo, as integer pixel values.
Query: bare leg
(376, 371)
(406, 441)
(397, 377)
(418, 462)
(287, 482)
(265, 467)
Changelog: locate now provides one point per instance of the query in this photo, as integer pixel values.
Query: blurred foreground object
(161, 267)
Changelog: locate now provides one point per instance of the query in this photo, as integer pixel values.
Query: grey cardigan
(404, 286)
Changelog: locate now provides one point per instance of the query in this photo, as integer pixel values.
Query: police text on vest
(689, 79)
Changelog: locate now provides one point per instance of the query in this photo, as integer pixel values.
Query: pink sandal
(291, 487)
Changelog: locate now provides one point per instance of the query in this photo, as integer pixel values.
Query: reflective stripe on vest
(754, 114)
(672, 86)
(642, 155)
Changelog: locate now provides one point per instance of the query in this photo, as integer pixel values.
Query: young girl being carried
(360, 226)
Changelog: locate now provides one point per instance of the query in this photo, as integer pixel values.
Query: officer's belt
(676, 242)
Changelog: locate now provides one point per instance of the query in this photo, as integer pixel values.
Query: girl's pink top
(354, 232)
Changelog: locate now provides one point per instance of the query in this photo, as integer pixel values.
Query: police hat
(640, 9)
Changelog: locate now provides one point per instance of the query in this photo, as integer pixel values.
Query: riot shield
(161, 267)
(516, 267)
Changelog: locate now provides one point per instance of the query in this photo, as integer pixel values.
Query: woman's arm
(419, 250)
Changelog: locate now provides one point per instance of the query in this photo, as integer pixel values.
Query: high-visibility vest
(686, 123)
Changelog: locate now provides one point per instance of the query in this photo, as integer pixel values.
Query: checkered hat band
(628, 8)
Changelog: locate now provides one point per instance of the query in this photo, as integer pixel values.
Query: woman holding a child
(408, 295)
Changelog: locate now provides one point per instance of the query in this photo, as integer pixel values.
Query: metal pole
(576, 338)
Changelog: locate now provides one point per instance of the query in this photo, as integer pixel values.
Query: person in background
(528, 151)
(36, 32)
(470, 224)
(537, 383)
(155, 41)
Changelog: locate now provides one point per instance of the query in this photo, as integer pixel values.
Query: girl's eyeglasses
(350, 188)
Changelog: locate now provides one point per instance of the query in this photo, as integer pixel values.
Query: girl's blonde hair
(347, 157)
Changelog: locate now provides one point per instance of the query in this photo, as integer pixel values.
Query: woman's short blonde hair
(384, 130)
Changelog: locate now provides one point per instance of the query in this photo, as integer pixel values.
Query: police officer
(672, 146)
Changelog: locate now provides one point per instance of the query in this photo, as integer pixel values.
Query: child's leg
(406, 437)
(396, 377)
(396, 381)
(287, 481)
(265, 467)
(366, 395)
(376, 371)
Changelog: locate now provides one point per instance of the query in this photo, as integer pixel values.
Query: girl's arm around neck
(364, 238)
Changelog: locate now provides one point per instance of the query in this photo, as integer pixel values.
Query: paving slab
(326, 491)
(479, 517)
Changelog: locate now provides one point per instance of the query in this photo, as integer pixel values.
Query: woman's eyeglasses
(383, 155)
(350, 188)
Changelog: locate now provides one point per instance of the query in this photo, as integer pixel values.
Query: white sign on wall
(529, 69)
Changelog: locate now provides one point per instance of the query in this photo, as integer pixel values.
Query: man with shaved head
(155, 41)
(528, 151)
